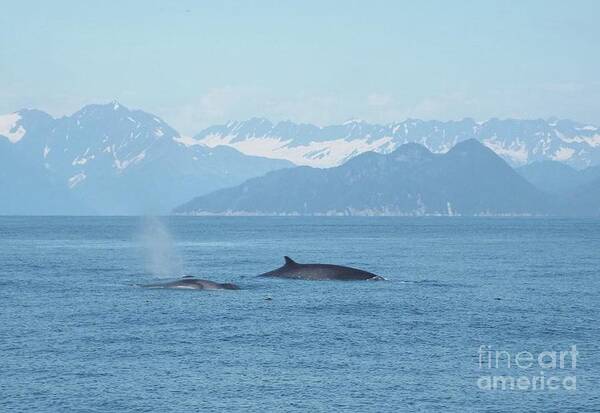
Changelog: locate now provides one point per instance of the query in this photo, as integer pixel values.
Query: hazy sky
(197, 63)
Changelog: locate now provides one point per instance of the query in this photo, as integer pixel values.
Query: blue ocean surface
(78, 334)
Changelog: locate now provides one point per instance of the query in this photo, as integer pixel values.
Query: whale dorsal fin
(289, 261)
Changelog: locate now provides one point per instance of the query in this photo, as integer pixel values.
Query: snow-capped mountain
(519, 142)
(112, 160)
(109, 159)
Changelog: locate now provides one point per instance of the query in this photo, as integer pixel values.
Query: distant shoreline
(366, 214)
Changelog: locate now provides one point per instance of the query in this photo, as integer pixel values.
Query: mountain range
(558, 178)
(519, 142)
(108, 159)
(470, 179)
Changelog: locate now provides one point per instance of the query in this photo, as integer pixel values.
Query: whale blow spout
(293, 270)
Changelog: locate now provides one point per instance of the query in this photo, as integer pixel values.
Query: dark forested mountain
(557, 178)
(469, 179)
(585, 200)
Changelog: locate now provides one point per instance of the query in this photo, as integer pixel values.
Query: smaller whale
(191, 283)
(294, 270)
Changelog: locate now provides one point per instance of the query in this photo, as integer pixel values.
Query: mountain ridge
(518, 141)
(108, 159)
(470, 179)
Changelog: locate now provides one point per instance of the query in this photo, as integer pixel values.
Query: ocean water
(77, 334)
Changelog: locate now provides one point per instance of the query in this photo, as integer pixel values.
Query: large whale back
(191, 283)
(292, 269)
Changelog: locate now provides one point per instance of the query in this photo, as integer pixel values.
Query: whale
(191, 283)
(317, 272)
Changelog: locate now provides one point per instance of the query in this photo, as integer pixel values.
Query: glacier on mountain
(517, 141)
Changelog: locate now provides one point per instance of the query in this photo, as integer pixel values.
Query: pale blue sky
(197, 63)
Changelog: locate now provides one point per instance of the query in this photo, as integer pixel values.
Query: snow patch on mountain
(593, 140)
(518, 141)
(186, 140)
(10, 128)
(517, 152)
(318, 154)
(83, 159)
(76, 179)
(563, 154)
(121, 165)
